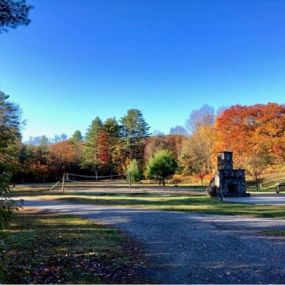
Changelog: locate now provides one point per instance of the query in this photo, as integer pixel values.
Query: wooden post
(63, 182)
(130, 180)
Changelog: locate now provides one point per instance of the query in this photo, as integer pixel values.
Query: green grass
(193, 203)
(280, 233)
(49, 248)
(268, 182)
(192, 200)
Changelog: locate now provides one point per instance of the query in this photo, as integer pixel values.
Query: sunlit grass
(268, 182)
(196, 203)
(194, 200)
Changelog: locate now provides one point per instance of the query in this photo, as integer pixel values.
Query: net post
(63, 182)
(130, 181)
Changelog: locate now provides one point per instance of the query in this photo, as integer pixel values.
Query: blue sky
(79, 59)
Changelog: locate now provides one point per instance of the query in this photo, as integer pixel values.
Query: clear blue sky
(84, 58)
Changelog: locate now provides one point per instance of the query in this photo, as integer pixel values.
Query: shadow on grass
(48, 248)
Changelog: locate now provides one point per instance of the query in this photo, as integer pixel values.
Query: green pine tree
(134, 132)
(91, 150)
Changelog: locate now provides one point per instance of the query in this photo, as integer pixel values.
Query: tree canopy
(13, 13)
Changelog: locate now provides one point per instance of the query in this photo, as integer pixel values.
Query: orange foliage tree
(62, 156)
(104, 149)
(251, 132)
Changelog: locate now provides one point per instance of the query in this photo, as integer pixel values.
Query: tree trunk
(256, 181)
(163, 182)
(63, 182)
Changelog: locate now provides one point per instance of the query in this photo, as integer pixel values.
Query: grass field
(268, 182)
(49, 248)
(190, 199)
(197, 203)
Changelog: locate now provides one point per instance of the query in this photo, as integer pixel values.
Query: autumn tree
(173, 143)
(34, 160)
(13, 13)
(251, 130)
(114, 144)
(161, 166)
(61, 157)
(279, 149)
(255, 165)
(104, 149)
(134, 132)
(197, 152)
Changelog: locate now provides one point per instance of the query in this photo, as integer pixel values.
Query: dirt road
(193, 248)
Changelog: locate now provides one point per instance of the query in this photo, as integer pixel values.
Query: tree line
(256, 135)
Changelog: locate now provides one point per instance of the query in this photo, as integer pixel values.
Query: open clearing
(194, 239)
(190, 247)
(182, 198)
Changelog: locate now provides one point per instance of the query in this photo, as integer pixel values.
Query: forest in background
(256, 135)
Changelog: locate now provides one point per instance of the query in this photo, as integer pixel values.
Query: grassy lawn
(268, 182)
(278, 233)
(195, 203)
(192, 200)
(50, 248)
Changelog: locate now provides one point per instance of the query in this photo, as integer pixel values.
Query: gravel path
(193, 248)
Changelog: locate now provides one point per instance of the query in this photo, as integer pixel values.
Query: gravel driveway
(193, 248)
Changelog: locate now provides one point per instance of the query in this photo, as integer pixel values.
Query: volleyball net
(74, 181)
(71, 177)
